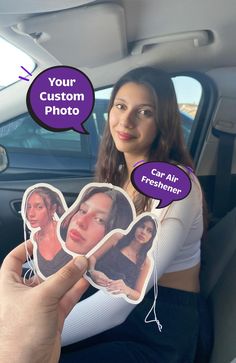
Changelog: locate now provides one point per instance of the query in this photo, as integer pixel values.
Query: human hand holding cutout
(37, 312)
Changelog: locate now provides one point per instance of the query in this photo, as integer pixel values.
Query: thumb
(63, 280)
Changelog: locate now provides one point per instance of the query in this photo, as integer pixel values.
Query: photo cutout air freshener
(42, 206)
(123, 262)
(58, 234)
(99, 209)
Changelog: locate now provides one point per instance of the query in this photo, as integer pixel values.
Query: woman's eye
(145, 112)
(81, 211)
(120, 106)
(99, 220)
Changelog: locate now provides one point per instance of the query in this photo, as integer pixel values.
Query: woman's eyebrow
(101, 211)
(34, 204)
(96, 209)
(140, 105)
(119, 99)
(147, 104)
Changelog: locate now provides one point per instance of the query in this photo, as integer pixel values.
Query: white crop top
(185, 253)
(178, 249)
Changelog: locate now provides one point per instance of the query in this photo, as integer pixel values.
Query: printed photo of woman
(42, 207)
(123, 264)
(99, 209)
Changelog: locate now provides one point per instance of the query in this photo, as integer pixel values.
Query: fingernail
(81, 262)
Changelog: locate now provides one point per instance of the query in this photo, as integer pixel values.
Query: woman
(99, 210)
(144, 124)
(43, 207)
(122, 266)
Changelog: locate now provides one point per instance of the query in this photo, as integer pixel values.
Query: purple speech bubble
(61, 98)
(163, 181)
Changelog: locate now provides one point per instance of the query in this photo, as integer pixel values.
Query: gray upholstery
(217, 251)
(223, 299)
(218, 282)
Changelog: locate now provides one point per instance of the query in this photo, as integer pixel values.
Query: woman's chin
(74, 248)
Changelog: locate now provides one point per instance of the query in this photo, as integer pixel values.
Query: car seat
(218, 275)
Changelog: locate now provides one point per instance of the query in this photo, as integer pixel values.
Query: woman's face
(144, 232)
(132, 119)
(37, 212)
(88, 226)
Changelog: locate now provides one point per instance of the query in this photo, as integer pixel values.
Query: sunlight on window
(188, 91)
(11, 60)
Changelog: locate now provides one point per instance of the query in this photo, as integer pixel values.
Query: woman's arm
(143, 275)
(101, 311)
(182, 223)
(94, 315)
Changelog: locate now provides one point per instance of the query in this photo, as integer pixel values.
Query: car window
(188, 92)
(24, 133)
(11, 64)
(31, 147)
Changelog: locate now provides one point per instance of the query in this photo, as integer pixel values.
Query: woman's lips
(124, 136)
(33, 222)
(76, 236)
(141, 237)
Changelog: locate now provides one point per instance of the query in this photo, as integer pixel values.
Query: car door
(65, 160)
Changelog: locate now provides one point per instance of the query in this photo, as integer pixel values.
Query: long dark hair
(168, 145)
(121, 214)
(125, 241)
(49, 198)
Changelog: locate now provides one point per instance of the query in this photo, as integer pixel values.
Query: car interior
(191, 41)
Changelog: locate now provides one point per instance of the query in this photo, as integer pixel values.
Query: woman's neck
(47, 229)
(132, 250)
(47, 241)
(131, 160)
(135, 246)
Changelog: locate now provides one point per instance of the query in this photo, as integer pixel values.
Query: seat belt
(223, 173)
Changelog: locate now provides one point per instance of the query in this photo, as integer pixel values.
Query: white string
(31, 273)
(148, 320)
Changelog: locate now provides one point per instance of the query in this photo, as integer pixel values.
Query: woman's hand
(118, 287)
(99, 278)
(31, 318)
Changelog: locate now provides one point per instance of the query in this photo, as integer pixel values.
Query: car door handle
(16, 207)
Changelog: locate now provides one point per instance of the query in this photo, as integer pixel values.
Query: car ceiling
(107, 38)
(122, 23)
